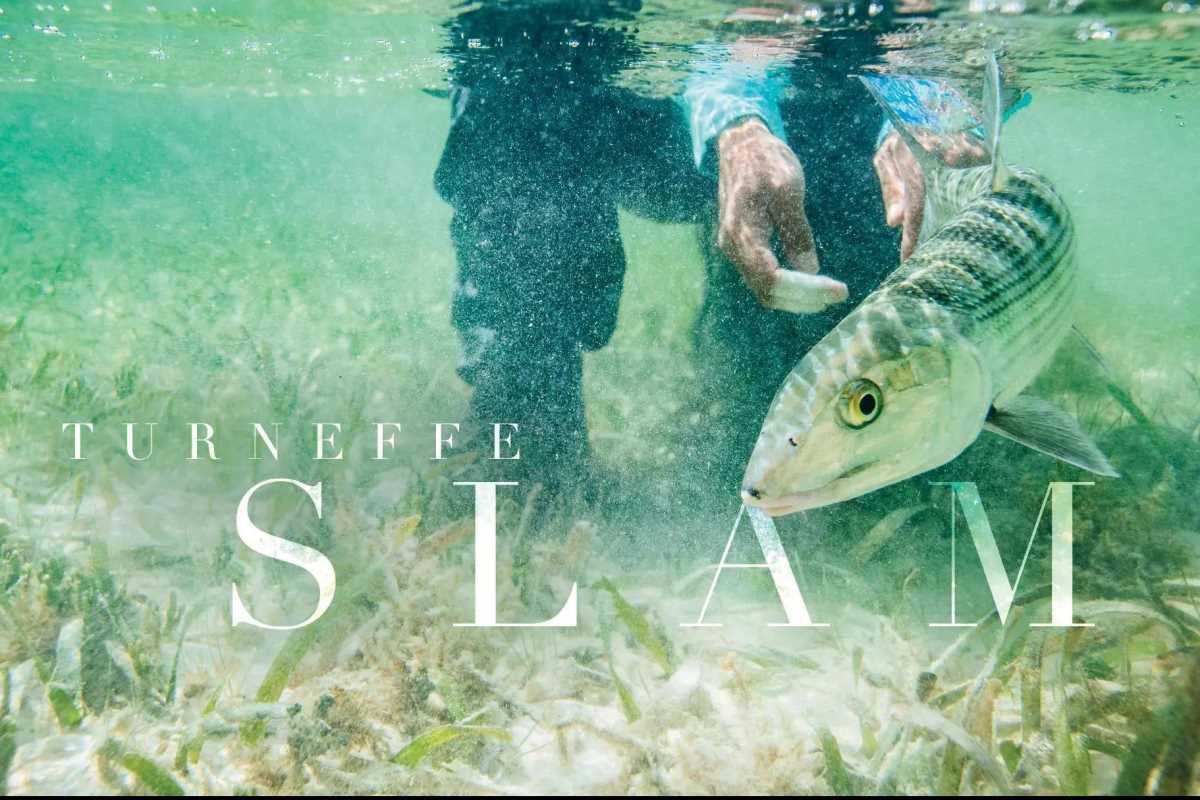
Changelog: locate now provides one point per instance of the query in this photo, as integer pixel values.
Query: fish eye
(860, 403)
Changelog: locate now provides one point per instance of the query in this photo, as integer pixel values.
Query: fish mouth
(786, 504)
(829, 493)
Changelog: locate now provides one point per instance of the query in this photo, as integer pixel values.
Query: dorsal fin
(993, 114)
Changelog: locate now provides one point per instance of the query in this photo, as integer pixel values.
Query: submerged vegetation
(105, 687)
(122, 674)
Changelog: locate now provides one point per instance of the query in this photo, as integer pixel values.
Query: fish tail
(993, 115)
(929, 162)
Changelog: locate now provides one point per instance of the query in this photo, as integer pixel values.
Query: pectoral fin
(1037, 424)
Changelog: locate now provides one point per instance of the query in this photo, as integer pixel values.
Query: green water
(226, 213)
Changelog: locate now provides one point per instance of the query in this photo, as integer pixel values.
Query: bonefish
(941, 350)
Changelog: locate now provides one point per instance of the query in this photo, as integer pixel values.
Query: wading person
(542, 151)
(783, 168)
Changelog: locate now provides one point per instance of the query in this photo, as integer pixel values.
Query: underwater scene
(600, 397)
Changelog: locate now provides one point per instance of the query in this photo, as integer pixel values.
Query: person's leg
(518, 308)
(536, 382)
(540, 271)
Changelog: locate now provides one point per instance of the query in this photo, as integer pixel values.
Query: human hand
(903, 183)
(760, 191)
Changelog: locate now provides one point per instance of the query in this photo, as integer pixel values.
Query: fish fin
(928, 161)
(993, 116)
(1037, 424)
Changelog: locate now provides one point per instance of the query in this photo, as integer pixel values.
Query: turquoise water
(226, 213)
